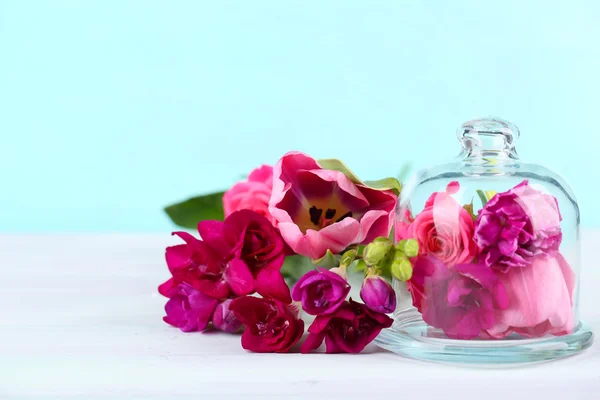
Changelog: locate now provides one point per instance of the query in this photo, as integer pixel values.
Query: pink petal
(319, 324)
(213, 288)
(457, 288)
(314, 244)
(204, 306)
(373, 224)
(178, 256)
(166, 287)
(538, 293)
(311, 181)
(190, 240)
(239, 278)
(212, 233)
(264, 173)
(312, 342)
(270, 283)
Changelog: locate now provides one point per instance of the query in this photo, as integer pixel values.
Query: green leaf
(294, 267)
(482, 197)
(385, 184)
(328, 261)
(380, 184)
(337, 165)
(469, 208)
(360, 266)
(188, 213)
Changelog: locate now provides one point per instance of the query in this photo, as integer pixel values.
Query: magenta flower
(516, 226)
(271, 326)
(241, 255)
(224, 319)
(461, 301)
(188, 309)
(318, 209)
(540, 299)
(348, 330)
(378, 294)
(251, 194)
(321, 292)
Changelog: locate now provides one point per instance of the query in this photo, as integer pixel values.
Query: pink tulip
(318, 209)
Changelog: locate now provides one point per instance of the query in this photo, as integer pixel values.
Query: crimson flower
(271, 325)
(238, 256)
(348, 330)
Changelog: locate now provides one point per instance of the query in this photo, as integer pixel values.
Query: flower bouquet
(254, 240)
(491, 274)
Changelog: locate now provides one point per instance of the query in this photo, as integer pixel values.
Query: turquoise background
(110, 110)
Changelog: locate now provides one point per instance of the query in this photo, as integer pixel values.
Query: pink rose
(252, 194)
(444, 229)
(318, 209)
(540, 299)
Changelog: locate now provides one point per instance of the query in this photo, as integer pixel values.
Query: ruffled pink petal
(270, 283)
(264, 173)
(239, 277)
(537, 294)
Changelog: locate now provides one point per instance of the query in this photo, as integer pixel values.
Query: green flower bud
(376, 251)
(411, 248)
(348, 257)
(400, 245)
(402, 269)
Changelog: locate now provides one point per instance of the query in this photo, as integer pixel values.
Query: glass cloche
(496, 277)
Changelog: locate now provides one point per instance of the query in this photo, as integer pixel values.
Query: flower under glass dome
(496, 276)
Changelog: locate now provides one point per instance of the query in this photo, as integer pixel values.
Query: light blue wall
(111, 109)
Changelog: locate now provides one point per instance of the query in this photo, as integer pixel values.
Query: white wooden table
(80, 318)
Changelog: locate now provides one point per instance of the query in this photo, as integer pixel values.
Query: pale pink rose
(252, 194)
(540, 299)
(318, 209)
(444, 229)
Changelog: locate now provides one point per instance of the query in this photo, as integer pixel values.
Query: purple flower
(378, 294)
(321, 292)
(516, 226)
(224, 319)
(189, 309)
(461, 301)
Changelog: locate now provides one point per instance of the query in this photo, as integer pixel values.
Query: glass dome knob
(488, 136)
